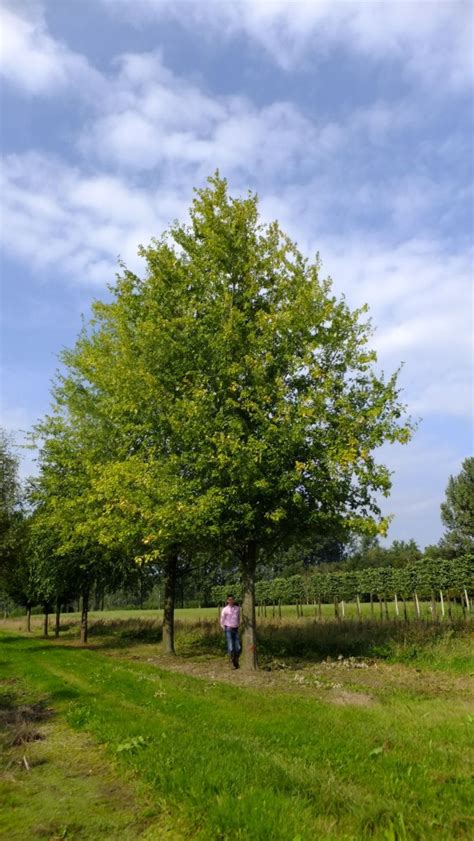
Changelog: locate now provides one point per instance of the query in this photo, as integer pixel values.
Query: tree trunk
(249, 634)
(450, 609)
(381, 606)
(169, 603)
(28, 618)
(405, 611)
(396, 606)
(385, 606)
(57, 620)
(441, 599)
(372, 604)
(46, 618)
(85, 617)
(279, 608)
(320, 610)
(358, 607)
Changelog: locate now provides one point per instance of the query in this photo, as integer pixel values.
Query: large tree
(457, 512)
(234, 400)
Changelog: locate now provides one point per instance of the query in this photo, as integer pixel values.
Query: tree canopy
(457, 512)
(13, 530)
(225, 400)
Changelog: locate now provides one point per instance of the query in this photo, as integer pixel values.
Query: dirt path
(356, 681)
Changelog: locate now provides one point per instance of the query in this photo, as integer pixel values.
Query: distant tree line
(434, 579)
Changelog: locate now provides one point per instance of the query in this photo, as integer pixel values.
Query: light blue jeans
(233, 641)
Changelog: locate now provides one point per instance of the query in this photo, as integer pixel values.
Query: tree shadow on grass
(309, 640)
(305, 640)
(122, 633)
(19, 720)
(316, 641)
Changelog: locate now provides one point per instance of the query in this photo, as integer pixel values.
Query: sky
(352, 120)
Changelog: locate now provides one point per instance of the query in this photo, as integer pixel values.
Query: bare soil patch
(357, 681)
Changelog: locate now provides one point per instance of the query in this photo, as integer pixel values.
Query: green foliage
(225, 399)
(16, 580)
(423, 576)
(10, 494)
(367, 552)
(457, 512)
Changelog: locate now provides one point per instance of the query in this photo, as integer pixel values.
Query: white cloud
(156, 134)
(74, 225)
(37, 63)
(420, 299)
(151, 117)
(432, 41)
(420, 473)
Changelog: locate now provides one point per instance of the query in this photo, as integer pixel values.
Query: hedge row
(425, 578)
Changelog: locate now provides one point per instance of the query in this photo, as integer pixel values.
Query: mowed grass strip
(56, 782)
(236, 763)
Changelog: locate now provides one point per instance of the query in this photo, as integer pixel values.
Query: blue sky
(352, 120)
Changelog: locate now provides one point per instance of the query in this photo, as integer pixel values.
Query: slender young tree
(457, 512)
(11, 513)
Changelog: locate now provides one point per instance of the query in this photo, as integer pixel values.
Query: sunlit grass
(229, 762)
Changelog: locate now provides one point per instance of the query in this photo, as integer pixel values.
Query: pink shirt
(230, 616)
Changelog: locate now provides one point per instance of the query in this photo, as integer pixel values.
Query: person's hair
(231, 596)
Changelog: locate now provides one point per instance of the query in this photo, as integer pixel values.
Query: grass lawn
(196, 614)
(139, 745)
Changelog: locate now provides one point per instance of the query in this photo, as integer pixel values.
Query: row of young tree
(224, 406)
(440, 581)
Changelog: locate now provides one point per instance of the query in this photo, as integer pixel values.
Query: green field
(203, 613)
(121, 740)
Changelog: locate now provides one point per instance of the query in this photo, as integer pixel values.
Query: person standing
(230, 621)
